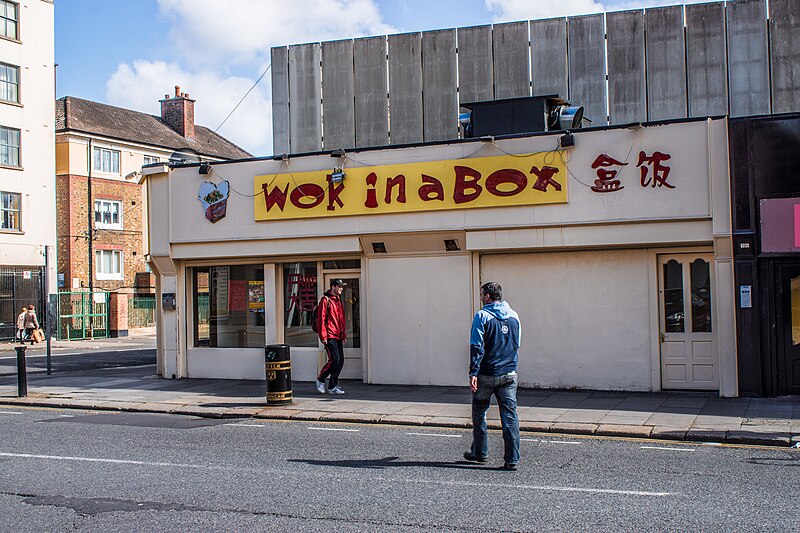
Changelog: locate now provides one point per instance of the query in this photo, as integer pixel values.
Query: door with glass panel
(351, 300)
(688, 352)
(788, 328)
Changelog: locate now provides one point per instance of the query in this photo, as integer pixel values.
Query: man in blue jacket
(494, 342)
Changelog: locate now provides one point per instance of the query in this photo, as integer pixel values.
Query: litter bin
(278, 364)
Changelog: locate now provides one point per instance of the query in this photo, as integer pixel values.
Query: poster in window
(255, 298)
(219, 288)
(237, 295)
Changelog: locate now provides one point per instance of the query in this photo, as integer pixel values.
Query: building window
(9, 83)
(299, 300)
(9, 208)
(108, 214)
(229, 306)
(9, 147)
(9, 19)
(108, 264)
(149, 160)
(106, 160)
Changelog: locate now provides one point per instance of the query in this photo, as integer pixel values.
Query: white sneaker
(320, 387)
(336, 390)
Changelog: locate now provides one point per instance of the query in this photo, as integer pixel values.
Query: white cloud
(141, 85)
(508, 10)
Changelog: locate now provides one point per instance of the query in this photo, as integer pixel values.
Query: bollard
(22, 376)
(278, 364)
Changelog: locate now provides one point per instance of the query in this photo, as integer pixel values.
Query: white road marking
(667, 448)
(546, 488)
(335, 429)
(97, 460)
(552, 441)
(435, 435)
(66, 416)
(248, 425)
(10, 413)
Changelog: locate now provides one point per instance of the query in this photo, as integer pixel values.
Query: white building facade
(27, 157)
(616, 253)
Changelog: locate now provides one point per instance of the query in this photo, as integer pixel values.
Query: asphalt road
(74, 470)
(84, 357)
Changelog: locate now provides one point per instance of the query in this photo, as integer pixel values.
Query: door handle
(663, 339)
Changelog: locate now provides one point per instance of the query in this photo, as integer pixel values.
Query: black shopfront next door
(787, 327)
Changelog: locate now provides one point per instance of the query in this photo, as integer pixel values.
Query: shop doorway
(788, 328)
(351, 299)
(688, 353)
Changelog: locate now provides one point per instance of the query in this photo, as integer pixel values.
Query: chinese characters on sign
(652, 172)
(302, 292)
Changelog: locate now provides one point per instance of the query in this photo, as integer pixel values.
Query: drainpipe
(90, 233)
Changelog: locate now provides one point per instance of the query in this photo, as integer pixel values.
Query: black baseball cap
(338, 283)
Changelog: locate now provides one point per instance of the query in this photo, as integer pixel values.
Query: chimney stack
(178, 113)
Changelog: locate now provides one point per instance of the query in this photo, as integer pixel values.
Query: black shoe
(474, 458)
(510, 466)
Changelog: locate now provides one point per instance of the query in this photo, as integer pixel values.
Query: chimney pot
(166, 96)
(177, 90)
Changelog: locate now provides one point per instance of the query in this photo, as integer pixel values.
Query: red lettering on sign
(372, 196)
(606, 181)
(434, 190)
(334, 191)
(545, 178)
(660, 172)
(276, 197)
(310, 190)
(506, 175)
(398, 181)
(460, 194)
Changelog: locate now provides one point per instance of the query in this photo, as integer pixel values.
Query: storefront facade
(615, 252)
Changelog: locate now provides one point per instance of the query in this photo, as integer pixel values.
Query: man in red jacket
(331, 328)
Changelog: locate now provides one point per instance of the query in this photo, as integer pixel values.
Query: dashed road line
(435, 435)
(10, 413)
(666, 448)
(552, 441)
(335, 429)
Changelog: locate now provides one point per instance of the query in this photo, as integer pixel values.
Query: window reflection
(299, 300)
(673, 297)
(701, 296)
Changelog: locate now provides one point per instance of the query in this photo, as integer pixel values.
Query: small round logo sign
(504, 329)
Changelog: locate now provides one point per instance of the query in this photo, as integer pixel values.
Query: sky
(130, 53)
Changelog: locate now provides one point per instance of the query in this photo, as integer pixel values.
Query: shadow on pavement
(387, 462)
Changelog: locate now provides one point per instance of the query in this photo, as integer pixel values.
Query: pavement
(658, 415)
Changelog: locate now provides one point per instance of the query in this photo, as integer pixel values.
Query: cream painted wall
(131, 155)
(35, 180)
(585, 317)
(420, 309)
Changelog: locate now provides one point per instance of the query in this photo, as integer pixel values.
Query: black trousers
(335, 350)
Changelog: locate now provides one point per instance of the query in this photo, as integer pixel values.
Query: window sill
(109, 277)
(12, 39)
(8, 102)
(11, 167)
(12, 231)
(105, 227)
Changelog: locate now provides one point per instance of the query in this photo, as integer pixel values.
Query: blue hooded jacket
(494, 340)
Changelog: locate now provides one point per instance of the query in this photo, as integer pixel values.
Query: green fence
(142, 312)
(83, 315)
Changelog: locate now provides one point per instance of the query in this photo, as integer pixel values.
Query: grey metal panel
(372, 104)
(405, 88)
(549, 57)
(626, 79)
(338, 115)
(305, 109)
(748, 58)
(587, 66)
(439, 85)
(666, 63)
(784, 20)
(512, 76)
(475, 80)
(706, 59)
(280, 100)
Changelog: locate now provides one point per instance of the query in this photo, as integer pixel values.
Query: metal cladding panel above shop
(653, 72)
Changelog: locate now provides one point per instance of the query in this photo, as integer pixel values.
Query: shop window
(9, 211)
(229, 306)
(106, 160)
(108, 214)
(299, 299)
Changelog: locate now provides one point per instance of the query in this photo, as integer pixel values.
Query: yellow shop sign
(456, 184)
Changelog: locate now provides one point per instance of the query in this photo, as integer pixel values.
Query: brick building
(100, 150)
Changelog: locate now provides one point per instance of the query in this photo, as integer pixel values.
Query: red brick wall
(71, 220)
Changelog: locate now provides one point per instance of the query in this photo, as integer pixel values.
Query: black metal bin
(278, 364)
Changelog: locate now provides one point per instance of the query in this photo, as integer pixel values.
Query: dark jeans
(504, 389)
(335, 350)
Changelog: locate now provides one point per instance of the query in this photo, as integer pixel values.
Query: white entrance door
(688, 354)
(351, 298)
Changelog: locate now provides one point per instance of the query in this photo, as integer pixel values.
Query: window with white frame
(9, 19)
(149, 160)
(9, 83)
(9, 210)
(105, 160)
(108, 264)
(108, 214)
(9, 147)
